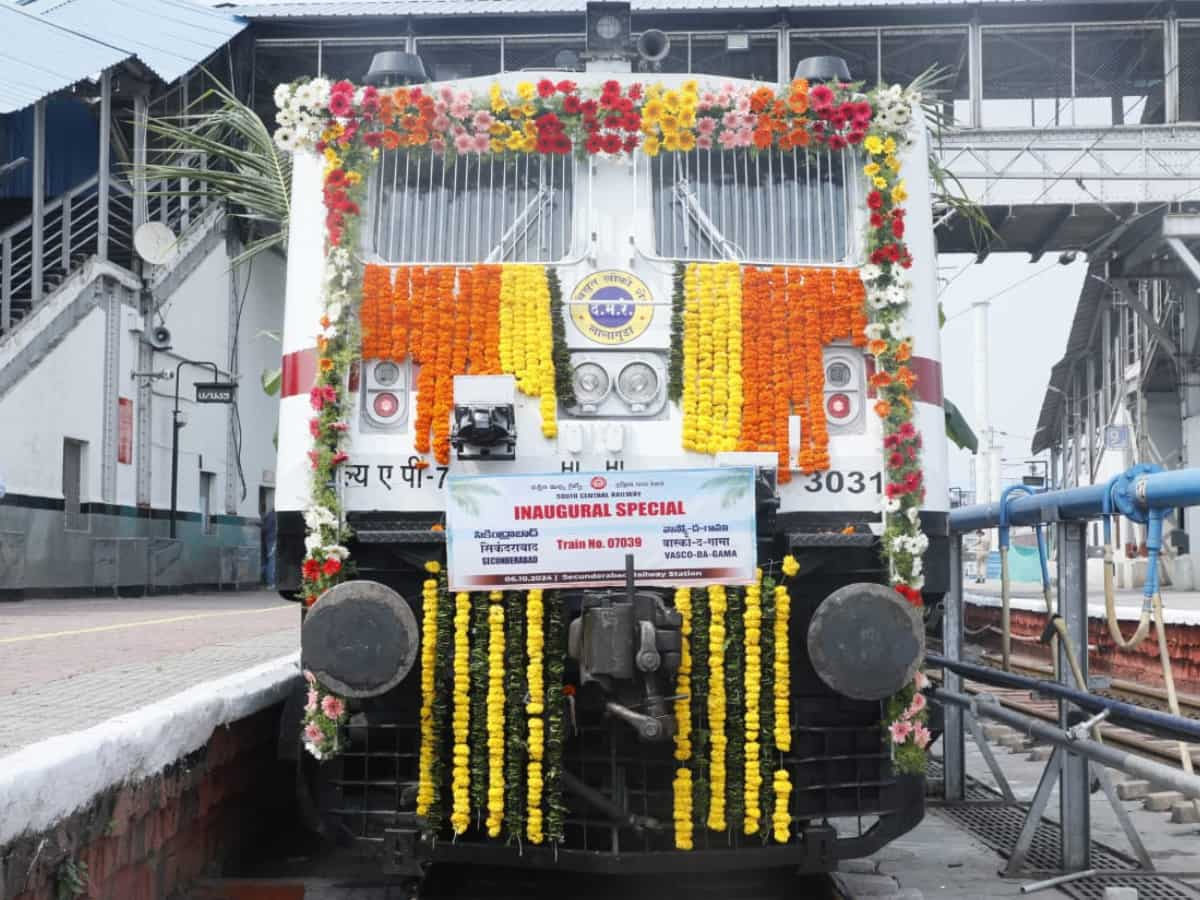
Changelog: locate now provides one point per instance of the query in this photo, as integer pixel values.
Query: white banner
(574, 529)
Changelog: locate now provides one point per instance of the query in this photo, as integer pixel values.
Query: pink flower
(463, 98)
(437, 144)
(921, 736)
(311, 704)
(340, 426)
(706, 125)
(441, 123)
(333, 707)
(743, 104)
(914, 708)
(314, 457)
(483, 120)
(704, 142)
(745, 137)
(340, 457)
(731, 119)
(446, 93)
(728, 139)
(313, 733)
(921, 680)
(900, 732)
(707, 99)
(460, 110)
(463, 143)
(724, 97)
(482, 144)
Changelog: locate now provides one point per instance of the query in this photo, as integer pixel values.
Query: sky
(1028, 326)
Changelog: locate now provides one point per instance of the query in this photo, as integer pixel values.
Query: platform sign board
(574, 529)
(215, 391)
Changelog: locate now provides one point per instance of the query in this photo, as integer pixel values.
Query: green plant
(239, 164)
(70, 879)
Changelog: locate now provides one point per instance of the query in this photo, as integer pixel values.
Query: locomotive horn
(653, 45)
(360, 639)
(865, 641)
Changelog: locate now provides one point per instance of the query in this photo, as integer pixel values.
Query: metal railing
(778, 206)
(499, 208)
(72, 233)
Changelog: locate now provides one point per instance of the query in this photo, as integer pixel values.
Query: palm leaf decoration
(733, 487)
(225, 151)
(466, 494)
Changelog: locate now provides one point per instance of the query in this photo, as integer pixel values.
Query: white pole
(986, 468)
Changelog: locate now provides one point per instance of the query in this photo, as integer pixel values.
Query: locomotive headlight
(386, 373)
(592, 385)
(638, 385)
(838, 374)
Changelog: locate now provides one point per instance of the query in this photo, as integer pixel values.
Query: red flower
(906, 431)
(912, 481)
(571, 105)
(837, 142)
(332, 566)
(892, 441)
(341, 105)
(546, 88)
(625, 105)
(875, 200)
(314, 457)
(593, 144)
(611, 87)
(893, 490)
(632, 121)
(565, 86)
(562, 145)
(370, 102)
(311, 570)
(896, 459)
(898, 227)
(856, 135)
(589, 108)
(340, 457)
(630, 144)
(912, 595)
(635, 91)
(614, 120)
(876, 220)
(612, 143)
(548, 120)
(314, 427)
(373, 138)
(820, 98)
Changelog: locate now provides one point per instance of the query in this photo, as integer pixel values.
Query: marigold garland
(752, 779)
(495, 713)
(783, 677)
(682, 785)
(716, 708)
(781, 820)
(516, 749)
(460, 810)
(534, 647)
(556, 697)
(426, 785)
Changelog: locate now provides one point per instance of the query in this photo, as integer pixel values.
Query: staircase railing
(71, 236)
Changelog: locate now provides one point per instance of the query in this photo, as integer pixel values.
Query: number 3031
(853, 482)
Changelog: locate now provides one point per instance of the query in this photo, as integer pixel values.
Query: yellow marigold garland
(527, 337)
(534, 646)
(682, 785)
(712, 338)
(429, 605)
(705, 362)
(781, 821)
(731, 276)
(460, 811)
(691, 356)
(716, 707)
(752, 782)
(495, 713)
(783, 680)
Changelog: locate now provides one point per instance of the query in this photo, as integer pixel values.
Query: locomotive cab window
(769, 206)
(471, 208)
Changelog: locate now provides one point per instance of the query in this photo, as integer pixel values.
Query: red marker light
(385, 404)
(838, 406)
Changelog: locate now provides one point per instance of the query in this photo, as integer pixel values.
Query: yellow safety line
(98, 628)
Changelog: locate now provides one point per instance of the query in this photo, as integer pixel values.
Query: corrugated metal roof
(337, 8)
(40, 58)
(171, 37)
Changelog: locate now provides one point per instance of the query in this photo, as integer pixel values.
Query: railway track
(1130, 692)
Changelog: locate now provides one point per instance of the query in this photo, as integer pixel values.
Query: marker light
(386, 374)
(838, 406)
(837, 375)
(591, 383)
(386, 404)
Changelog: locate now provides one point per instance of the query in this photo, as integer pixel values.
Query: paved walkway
(67, 665)
(1181, 607)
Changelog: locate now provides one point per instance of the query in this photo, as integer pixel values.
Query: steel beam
(953, 748)
(1152, 324)
(1046, 238)
(1184, 253)
(1074, 795)
(38, 190)
(103, 165)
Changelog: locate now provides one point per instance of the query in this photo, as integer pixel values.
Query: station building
(1050, 111)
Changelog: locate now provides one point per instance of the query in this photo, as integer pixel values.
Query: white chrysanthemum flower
(899, 330)
(312, 541)
(916, 567)
(334, 311)
(285, 139)
(870, 272)
(306, 96)
(283, 95)
(874, 331)
(336, 551)
(890, 505)
(914, 514)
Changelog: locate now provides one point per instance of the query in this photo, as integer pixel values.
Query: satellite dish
(155, 243)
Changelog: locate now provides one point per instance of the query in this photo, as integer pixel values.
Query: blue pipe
(1005, 528)
(1134, 494)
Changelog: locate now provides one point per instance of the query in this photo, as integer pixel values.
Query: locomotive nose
(360, 639)
(866, 642)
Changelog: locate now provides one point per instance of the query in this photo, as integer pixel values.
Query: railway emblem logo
(612, 307)
(599, 483)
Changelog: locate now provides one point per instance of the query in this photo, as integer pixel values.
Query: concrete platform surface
(70, 664)
(1179, 607)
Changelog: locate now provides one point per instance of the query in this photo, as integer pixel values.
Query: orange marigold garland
(401, 312)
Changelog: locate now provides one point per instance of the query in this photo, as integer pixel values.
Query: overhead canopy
(53, 44)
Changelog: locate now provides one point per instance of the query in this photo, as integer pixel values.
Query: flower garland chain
(556, 699)
(735, 706)
(716, 708)
(480, 634)
(324, 716)
(681, 787)
(515, 745)
(752, 779)
(426, 785)
(495, 713)
(460, 813)
(535, 708)
(781, 820)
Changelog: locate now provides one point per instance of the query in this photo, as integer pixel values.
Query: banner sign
(215, 391)
(574, 529)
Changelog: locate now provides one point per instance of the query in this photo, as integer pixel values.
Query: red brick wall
(1141, 665)
(152, 838)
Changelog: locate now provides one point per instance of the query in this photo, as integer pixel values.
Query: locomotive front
(610, 462)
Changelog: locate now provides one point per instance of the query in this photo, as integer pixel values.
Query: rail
(72, 233)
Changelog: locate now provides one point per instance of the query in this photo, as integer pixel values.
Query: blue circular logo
(612, 307)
